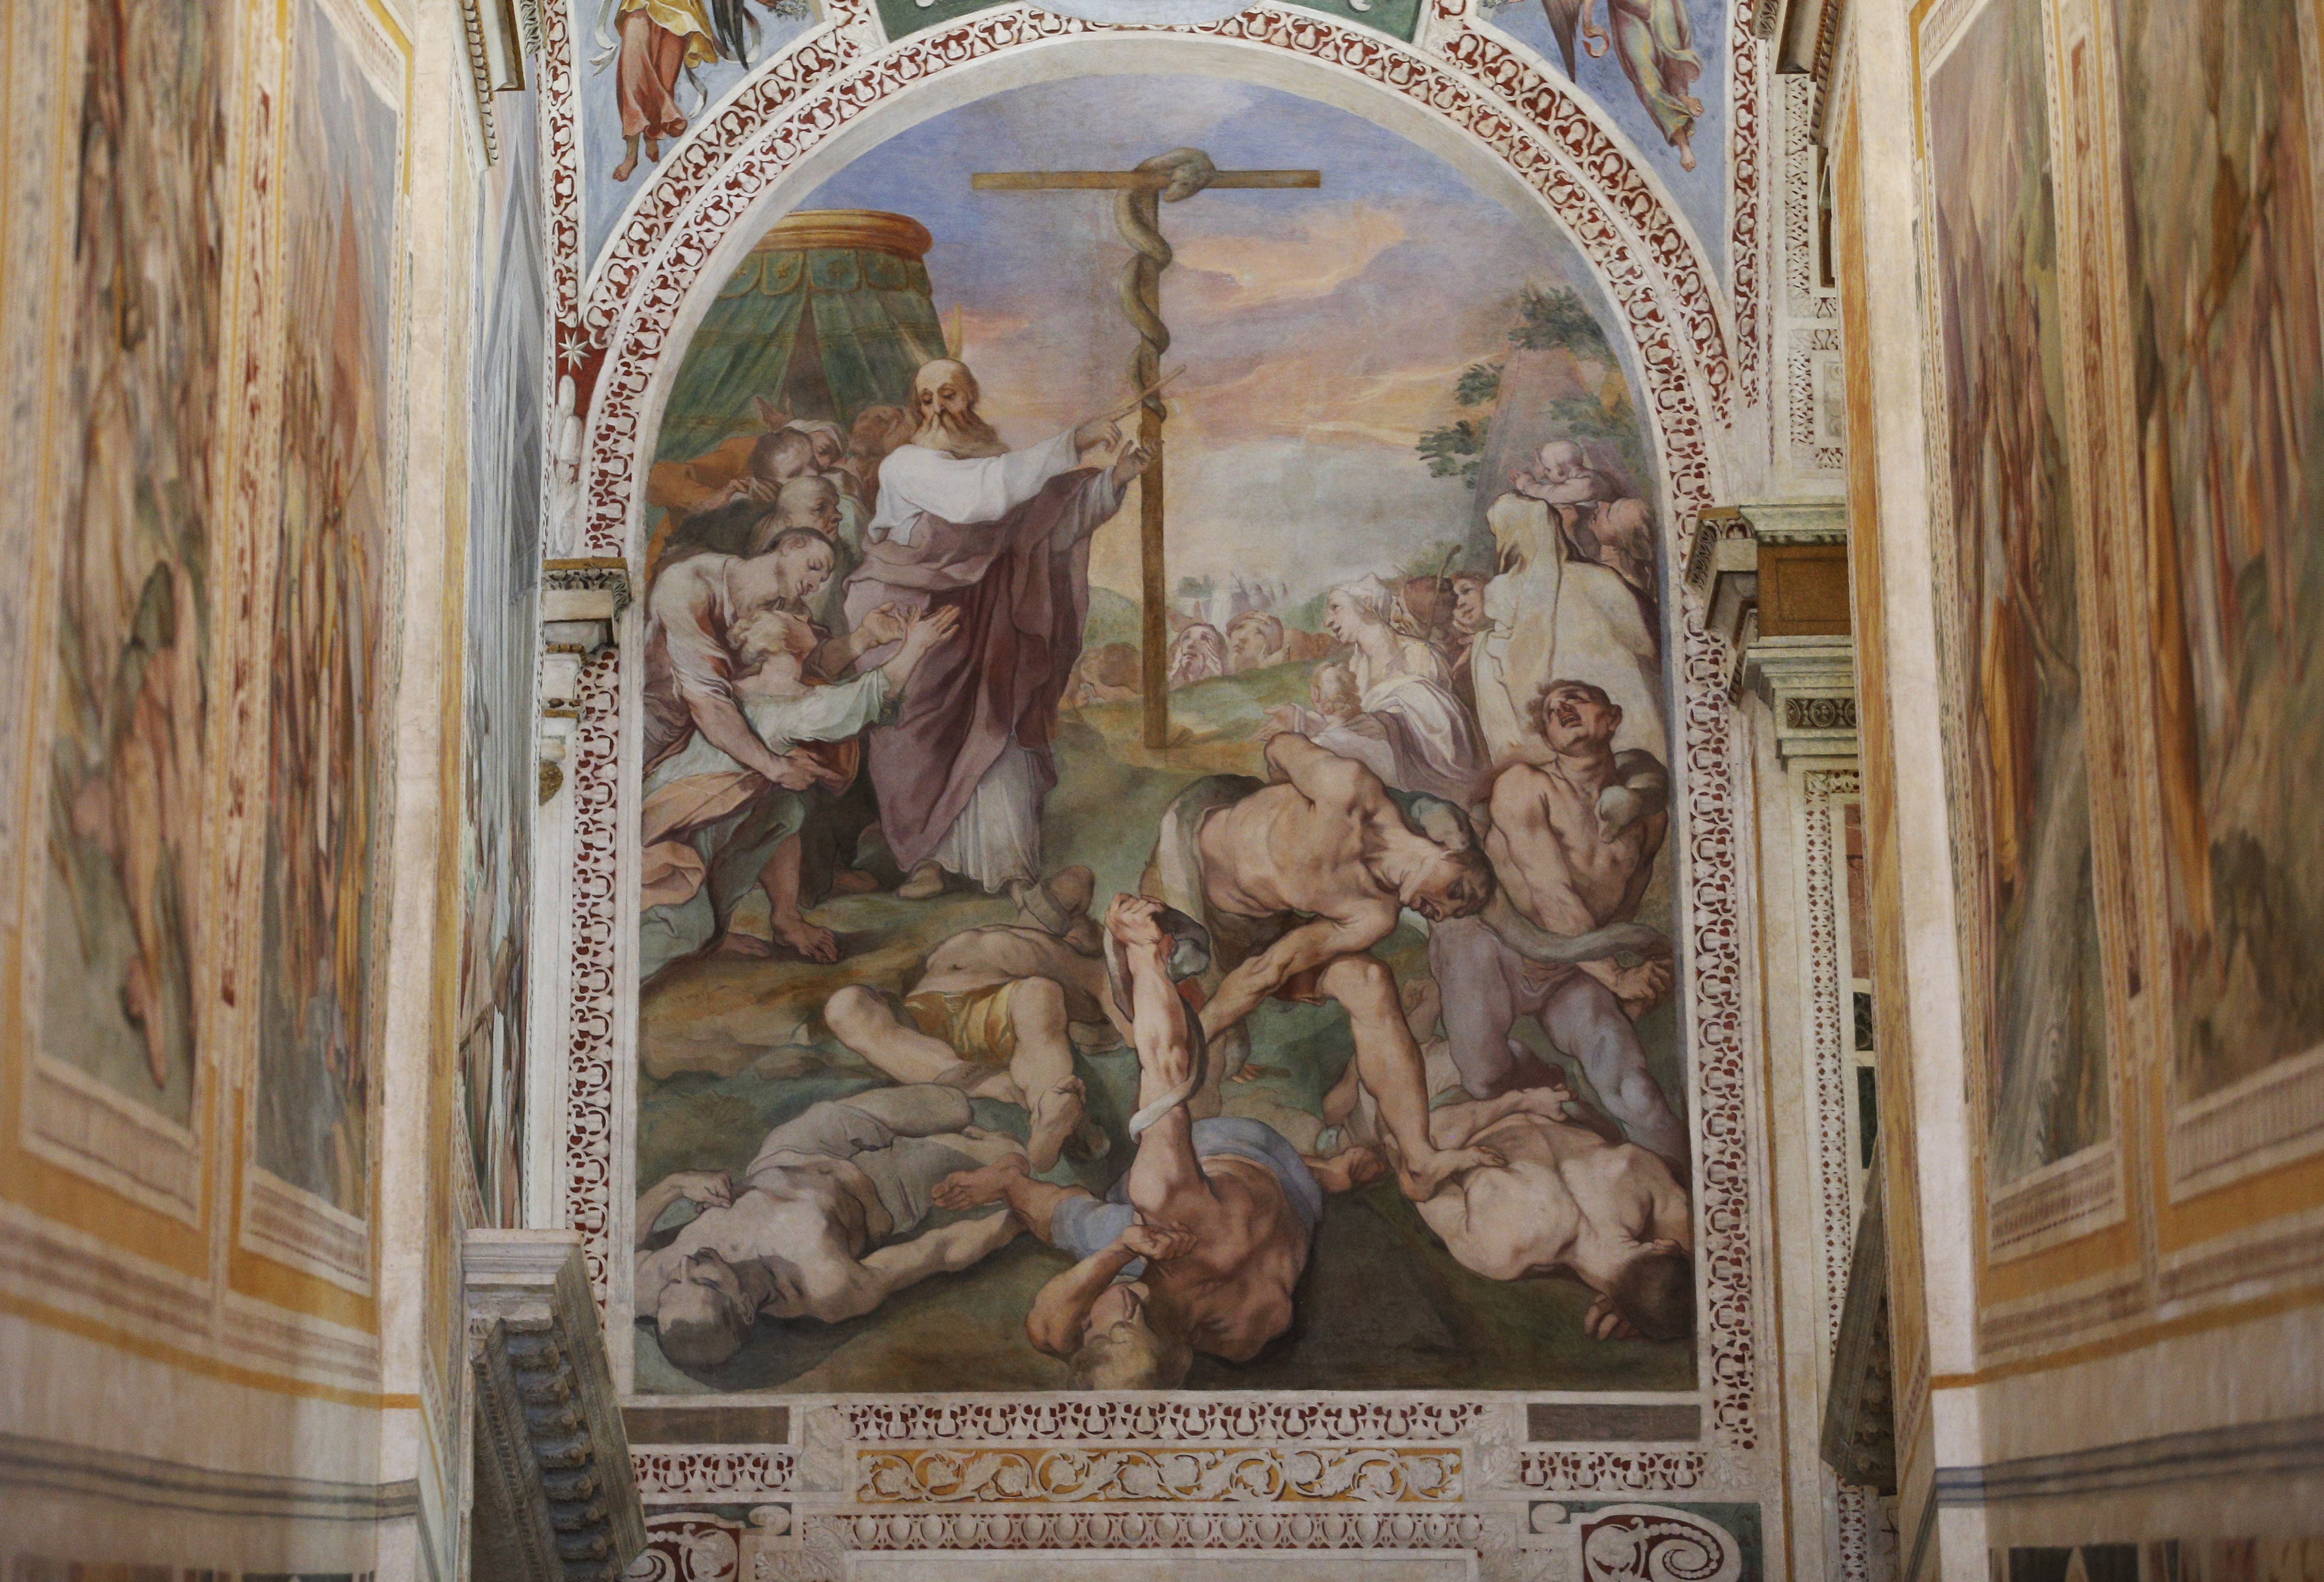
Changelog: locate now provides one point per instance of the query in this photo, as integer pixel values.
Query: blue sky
(1320, 330)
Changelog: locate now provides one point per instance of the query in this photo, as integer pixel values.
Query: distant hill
(1112, 618)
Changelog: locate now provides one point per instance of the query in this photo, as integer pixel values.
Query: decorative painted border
(1822, 793)
(1071, 1530)
(1747, 80)
(711, 1472)
(2246, 1450)
(1831, 1019)
(985, 1475)
(589, 1128)
(1050, 1420)
(2268, 1119)
(26, 1462)
(1612, 1471)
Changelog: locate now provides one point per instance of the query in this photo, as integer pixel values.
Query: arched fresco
(831, 124)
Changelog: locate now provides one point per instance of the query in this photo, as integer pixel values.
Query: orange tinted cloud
(1310, 261)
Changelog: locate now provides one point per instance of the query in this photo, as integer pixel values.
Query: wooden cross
(1138, 196)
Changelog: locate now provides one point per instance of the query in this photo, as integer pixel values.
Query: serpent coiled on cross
(1136, 214)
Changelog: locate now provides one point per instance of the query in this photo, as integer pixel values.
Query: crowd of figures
(868, 637)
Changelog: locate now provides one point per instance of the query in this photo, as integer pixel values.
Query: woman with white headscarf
(1411, 730)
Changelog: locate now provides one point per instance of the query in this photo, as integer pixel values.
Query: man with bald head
(1002, 535)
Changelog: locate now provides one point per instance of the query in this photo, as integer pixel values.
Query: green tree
(1480, 385)
(1558, 317)
(1454, 451)
(1547, 319)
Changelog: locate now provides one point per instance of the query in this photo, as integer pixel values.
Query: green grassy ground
(729, 1047)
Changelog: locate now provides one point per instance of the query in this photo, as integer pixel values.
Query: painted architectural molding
(556, 1497)
(1773, 583)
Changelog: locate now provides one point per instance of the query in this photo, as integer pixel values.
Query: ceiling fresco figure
(1655, 43)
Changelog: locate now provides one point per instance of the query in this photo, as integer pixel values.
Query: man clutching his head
(1198, 1248)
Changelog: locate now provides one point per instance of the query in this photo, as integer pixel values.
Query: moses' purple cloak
(1021, 585)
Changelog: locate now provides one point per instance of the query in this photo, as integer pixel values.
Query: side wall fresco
(2105, 1291)
(226, 1348)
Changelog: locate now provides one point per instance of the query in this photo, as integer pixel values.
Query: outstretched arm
(885, 1270)
(1451, 1126)
(1165, 1179)
(1536, 944)
(1319, 774)
(1309, 947)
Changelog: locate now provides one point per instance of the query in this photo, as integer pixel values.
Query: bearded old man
(1001, 535)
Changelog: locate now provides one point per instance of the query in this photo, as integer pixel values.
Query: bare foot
(627, 167)
(1425, 1180)
(653, 149)
(853, 882)
(973, 1188)
(748, 947)
(1253, 1071)
(1056, 1113)
(816, 944)
(926, 883)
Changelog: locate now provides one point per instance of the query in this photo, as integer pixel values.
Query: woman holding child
(741, 743)
(1390, 706)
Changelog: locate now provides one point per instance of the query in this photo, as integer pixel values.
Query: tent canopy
(829, 314)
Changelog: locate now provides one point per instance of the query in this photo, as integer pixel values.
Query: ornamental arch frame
(1463, 93)
(1470, 98)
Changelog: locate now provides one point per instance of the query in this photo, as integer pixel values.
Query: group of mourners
(912, 623)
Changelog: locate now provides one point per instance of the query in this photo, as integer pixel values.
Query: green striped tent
(829, 314)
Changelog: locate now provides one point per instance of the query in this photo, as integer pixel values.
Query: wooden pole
(1154, 585)
(1139, 195)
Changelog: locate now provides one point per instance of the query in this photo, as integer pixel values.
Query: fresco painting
(1658, 70)
(134, 608)
(2033, 910)
(648, 68)
(1333, 1043)
(330, 699)
(652, 68)
(498, 773)
(2219, 175)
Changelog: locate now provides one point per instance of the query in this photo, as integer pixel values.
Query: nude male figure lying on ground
(1571, 1196)
(1296, 880)
(1198, 1248)
(823, 1226)
(992, 1014)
